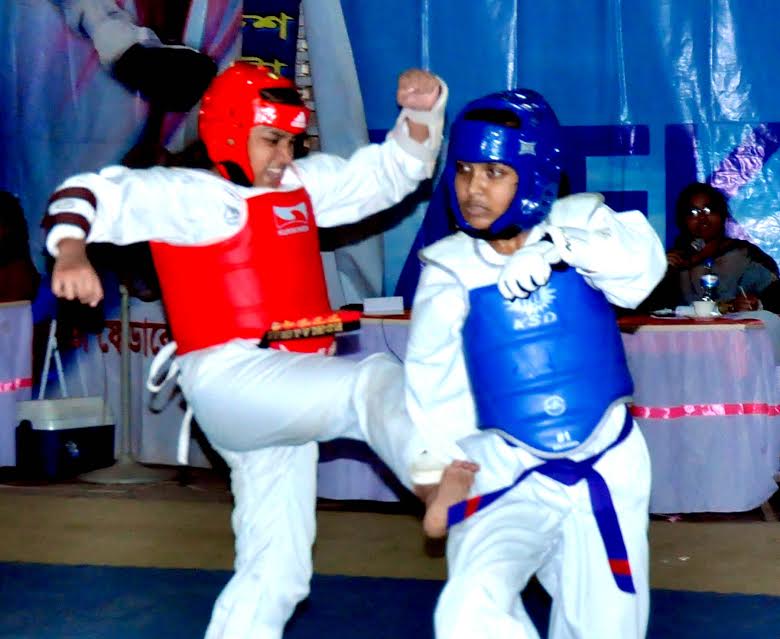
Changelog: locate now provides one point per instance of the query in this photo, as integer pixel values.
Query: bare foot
(456, 481)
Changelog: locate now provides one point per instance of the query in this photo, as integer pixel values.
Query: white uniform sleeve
(438, 394)
(122, 206)
(617, 253)
(375, 177)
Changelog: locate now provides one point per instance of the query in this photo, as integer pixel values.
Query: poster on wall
(75, 97)
(651, 95)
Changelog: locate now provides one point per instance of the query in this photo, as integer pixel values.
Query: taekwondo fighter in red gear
(237, 254)
(515, 362)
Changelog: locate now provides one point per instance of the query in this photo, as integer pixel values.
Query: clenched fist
(418, 90)
(527, 269)
(73, 277)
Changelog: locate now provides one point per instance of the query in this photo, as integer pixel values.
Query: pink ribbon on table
(12, 385)
(705, 410)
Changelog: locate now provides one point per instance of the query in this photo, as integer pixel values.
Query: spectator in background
(747, 275)
(18, 277)
(514, 362)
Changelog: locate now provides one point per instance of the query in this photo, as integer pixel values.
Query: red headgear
(232, 105)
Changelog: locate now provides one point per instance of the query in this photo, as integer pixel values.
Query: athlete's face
(270, 153)
(484, 191)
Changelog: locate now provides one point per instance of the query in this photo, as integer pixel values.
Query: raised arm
(378, 176)
(618, 253)
(419, 94)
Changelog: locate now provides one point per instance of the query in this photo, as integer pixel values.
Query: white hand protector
(527, 269)
(579, 248)
(433, 119)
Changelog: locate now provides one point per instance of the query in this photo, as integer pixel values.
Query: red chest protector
(269, 272)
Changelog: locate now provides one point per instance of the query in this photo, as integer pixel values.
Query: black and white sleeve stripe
(72, 205)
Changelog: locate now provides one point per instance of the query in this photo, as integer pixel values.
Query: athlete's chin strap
(155, 382)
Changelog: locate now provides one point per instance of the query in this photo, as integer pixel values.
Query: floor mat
(40, 601)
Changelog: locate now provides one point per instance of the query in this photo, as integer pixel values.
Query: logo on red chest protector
(291, 219)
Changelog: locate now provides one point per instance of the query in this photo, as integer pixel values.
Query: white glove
(579, 248)
(527, 269)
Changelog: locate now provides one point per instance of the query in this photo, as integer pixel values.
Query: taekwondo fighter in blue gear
(515, 362)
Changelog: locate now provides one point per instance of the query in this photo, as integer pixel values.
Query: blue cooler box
(61, 438)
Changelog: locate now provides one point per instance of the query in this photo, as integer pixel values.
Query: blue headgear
(532, 150)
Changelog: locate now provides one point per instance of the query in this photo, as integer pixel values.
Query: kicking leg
(456, 481)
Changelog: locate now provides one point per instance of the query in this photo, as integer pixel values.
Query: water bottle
(709, 282)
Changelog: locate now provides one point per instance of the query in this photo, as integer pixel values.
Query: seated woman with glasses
(746, 274)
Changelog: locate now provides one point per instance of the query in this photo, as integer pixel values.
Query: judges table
(706, 399)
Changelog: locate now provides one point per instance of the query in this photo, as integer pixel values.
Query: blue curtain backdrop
(653, 94)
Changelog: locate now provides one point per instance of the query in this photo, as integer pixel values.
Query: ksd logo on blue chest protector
(545, 369)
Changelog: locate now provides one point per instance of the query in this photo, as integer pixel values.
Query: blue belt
(570, 472)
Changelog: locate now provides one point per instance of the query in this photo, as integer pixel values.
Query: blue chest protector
(545, 369)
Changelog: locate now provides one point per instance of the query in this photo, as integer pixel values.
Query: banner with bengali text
(269, 34)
